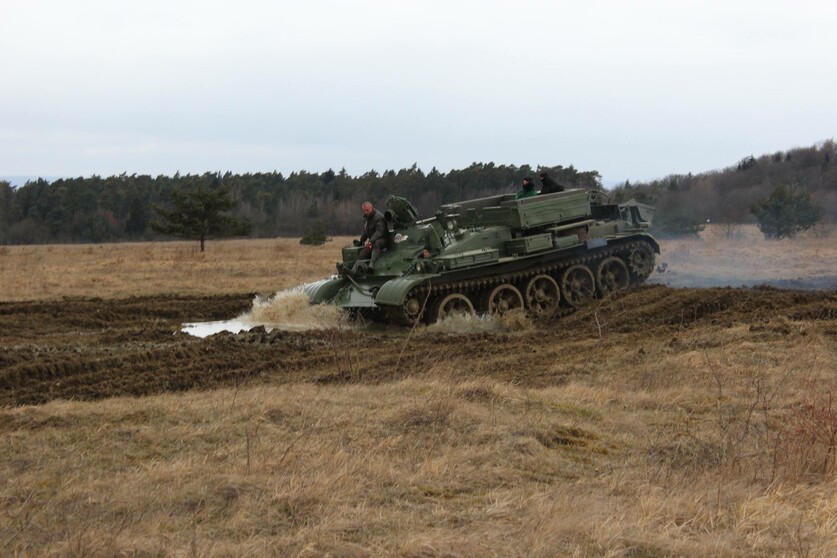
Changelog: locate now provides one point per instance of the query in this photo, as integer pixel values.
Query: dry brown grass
(412, 468)
(269, 265)
(128, 269)
(680, 444)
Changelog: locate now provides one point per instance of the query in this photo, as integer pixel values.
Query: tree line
(121, 207)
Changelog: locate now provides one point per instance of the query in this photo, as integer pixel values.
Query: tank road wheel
(502, 299)
(542, 295)
(452, 305)
(412, 308)
(612, 275)
(641, 262)
(578, 285)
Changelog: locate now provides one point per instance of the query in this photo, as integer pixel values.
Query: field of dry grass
(269, 265)
(662, 423)
(135, 269)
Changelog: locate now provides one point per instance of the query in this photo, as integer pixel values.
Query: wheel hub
(412, 306)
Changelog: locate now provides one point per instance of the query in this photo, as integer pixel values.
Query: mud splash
(287, 310)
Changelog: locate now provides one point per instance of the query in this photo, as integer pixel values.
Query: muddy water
(289, 310)
(205, 329)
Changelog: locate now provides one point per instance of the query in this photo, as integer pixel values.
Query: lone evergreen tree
(785, 212)
(199, 215)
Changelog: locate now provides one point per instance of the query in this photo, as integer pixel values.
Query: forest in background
(119, 208)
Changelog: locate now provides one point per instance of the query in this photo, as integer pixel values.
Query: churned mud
(87, 349)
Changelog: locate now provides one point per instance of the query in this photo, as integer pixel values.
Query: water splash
(290, 310)
(287, 310)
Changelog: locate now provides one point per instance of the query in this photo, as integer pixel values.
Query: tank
(545, 255)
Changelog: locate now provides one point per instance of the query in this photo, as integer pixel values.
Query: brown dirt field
(86, 349)
(657, 422)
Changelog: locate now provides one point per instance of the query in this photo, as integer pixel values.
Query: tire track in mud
(656, 306)
(88, 349)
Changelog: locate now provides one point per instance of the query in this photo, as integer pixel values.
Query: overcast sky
(635, 90)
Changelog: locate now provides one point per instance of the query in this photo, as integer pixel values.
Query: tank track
(428, 293)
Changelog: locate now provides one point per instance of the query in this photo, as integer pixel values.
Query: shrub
(785, 212)
(315, 236)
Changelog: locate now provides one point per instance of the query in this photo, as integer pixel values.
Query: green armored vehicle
(545, 254)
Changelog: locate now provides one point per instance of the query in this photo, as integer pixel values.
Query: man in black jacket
(374, 237)
(549, 185)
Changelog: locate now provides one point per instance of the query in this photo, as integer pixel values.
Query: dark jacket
(549, 185)
(374, 227)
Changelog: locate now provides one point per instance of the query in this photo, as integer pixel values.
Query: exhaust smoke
(742, 257)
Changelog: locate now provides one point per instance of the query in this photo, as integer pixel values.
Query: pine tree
(785, 212)
(199, 215)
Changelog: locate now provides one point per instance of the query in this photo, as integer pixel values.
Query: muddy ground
(87, 349)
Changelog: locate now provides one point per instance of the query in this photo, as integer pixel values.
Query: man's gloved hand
(369, 246)
(355, 242)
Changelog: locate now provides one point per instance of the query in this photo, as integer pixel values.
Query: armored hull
(545, 255)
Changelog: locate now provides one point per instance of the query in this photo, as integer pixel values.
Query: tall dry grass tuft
(806, 442)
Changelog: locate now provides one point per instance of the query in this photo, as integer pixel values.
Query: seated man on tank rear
(374, 236)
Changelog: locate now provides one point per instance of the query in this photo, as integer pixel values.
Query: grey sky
(635, 90)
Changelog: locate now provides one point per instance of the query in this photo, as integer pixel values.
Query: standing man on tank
(374, 236)
(549, 185)
(528, 189)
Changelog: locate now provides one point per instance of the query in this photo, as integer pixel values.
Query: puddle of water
(205, 329)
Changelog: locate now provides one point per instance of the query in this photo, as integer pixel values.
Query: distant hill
(726, 195)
